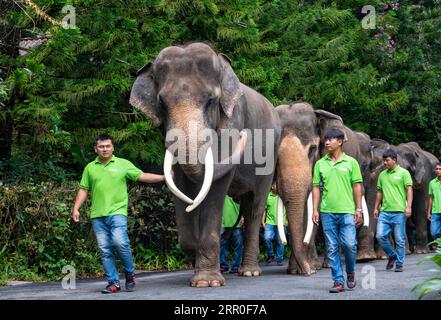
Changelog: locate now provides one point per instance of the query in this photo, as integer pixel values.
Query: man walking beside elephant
(394, 193)
(340, 177)
(434, 207)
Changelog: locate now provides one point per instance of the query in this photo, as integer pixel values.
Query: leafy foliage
(433, 284)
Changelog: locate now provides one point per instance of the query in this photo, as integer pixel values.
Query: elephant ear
(324, 116)
(230, 86)
(144, 96)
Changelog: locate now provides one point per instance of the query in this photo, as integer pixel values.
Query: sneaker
(223, 269)
(390, 263)
(270, 259)
(130, 282)
(280, 262)
(337, 287)
(234, 271)
(399, 268)
(351, 283)
(111, 288)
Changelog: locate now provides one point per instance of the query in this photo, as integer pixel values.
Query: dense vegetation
(55, 98)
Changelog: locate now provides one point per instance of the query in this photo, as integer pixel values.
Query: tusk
(280, 223)
(168, 159)
(310, 225)
(208, 179)
(365, 212)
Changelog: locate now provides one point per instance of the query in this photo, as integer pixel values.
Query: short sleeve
(430, 189)
(316, 175)
(379, 182)
(408, 179)
(356, 172)
(85, 179)
(133, 173)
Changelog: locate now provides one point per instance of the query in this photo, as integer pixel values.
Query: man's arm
(315, 203)
(357, 193)
(79, 200)
(378, 199)
(429, 208)
(409, 199)
(150, 178)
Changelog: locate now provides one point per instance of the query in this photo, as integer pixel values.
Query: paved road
(274, 284)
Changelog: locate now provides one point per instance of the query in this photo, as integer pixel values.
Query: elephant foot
(420, 250)
(366, 255)
(205, 279)
(250, 271)
(306, 270)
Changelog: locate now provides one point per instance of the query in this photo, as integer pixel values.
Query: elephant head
(191, 89)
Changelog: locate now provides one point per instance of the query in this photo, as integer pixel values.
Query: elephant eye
(209, 102)
(161, 102)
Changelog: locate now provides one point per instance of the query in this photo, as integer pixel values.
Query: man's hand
(315, 217)
(429, 216)
(75, 215)
(358, 218)
(408, 212)
(376, 213)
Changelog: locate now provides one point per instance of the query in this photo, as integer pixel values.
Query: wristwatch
(359, 210)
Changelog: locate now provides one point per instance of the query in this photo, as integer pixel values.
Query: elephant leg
(252, 213)
(365, 244)
(312, 252)
(420, 215)
(199, 234)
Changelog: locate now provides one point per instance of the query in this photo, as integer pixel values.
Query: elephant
(298, 151)
(356, 145)
(421, 164)
(192, 87)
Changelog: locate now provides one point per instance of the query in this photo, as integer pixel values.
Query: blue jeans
(269, 234)
(236, 236)
(340, 226)
(435, 226)
(111, 233)
(392, 222)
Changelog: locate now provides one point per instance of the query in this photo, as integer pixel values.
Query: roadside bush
(38, 236)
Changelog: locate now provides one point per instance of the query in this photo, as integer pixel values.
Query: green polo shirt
(108, 185)
(230, 213)
(271, 210)
(435, 193)
(393, 183)
(337, 179)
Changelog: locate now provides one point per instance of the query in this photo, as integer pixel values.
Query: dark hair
(438, 164)
(389, 153)
(103, 136)
(335, 133)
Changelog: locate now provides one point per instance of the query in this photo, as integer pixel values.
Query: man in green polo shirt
(394, 193)
(434, 208)
(230, 231)
(106, 179)
(270, 225)
(340, 207)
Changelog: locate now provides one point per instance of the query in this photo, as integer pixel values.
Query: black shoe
(390, 263)
(130, 282)
(270, 259)
(337, 287)
(351, 283)
(399, 268)
(234, 271)
(111, 288)
(280, 262)
(223, 269)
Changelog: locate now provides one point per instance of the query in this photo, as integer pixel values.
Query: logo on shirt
(113, 170)
(397, 178)
(344, 169)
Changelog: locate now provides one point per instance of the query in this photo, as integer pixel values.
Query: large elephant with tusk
(195, 94)
(303, 129)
